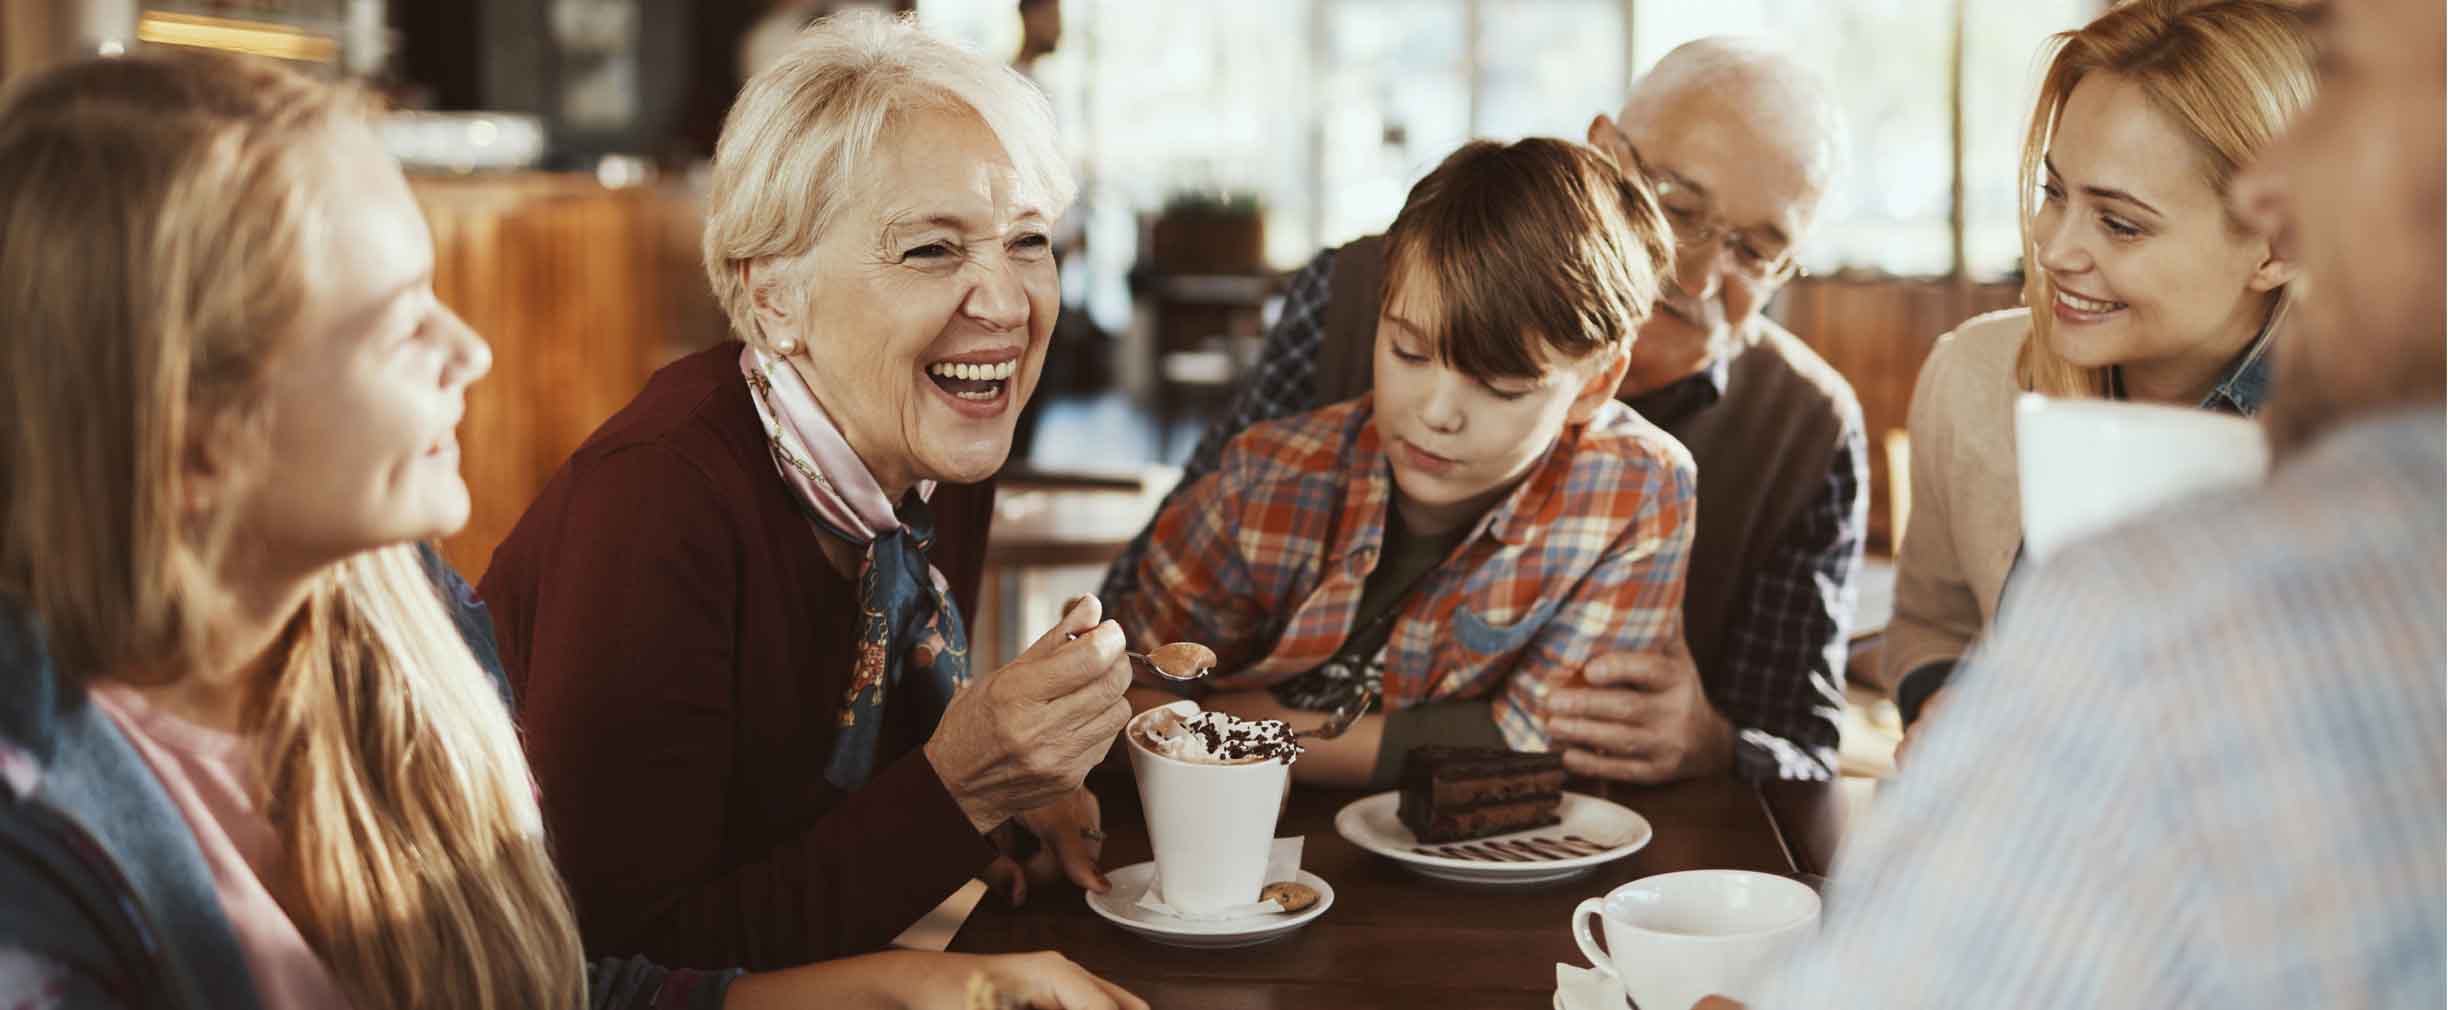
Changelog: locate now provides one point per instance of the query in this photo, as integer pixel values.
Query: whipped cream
(1220, 738)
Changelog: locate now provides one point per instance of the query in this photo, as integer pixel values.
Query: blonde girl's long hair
(152, 220)
(2230, 73)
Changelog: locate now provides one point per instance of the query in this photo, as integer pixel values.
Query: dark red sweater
(679, 649)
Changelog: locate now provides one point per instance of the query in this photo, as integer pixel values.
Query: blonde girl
(247, 757)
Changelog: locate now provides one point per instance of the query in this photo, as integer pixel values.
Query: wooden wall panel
(582, 295)
(1877, 332)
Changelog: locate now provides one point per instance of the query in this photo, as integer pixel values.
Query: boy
(1483, 523)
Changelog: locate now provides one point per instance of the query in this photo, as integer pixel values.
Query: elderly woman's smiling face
(922, 315)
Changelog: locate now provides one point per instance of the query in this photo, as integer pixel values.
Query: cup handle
(1598, 958)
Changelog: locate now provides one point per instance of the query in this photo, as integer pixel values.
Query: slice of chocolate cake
(1452, 794)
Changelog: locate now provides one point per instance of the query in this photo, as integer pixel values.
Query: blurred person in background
(1041, 31)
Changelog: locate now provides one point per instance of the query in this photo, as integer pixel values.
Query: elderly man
(2200, 764)
(1742, 143)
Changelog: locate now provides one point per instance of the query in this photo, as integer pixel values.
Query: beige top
(1967, 518)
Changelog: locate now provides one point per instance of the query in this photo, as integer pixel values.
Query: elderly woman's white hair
(803, 130)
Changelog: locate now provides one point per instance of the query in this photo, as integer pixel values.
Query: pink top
(210, 776)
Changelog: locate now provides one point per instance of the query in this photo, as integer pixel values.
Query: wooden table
(1397, 940)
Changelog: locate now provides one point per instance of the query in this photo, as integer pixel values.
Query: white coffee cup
(1674, 938)
(1211, 825)
(2087, 465)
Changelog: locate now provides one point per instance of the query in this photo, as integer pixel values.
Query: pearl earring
(786, 347)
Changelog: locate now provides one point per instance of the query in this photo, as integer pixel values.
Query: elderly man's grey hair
(804, 131)
(1782, 96)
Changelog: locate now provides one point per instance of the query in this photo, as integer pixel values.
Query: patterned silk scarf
(910, 633)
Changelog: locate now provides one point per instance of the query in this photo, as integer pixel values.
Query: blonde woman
(247, 758)
(2141, 286)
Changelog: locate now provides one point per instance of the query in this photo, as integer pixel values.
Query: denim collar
(2241, 389)
(2245, 387)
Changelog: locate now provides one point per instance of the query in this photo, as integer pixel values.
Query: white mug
(2087, 465)
(1675, 938)
(1212, 825)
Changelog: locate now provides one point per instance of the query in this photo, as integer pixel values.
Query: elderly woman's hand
(1069, 839)
(1026, 735)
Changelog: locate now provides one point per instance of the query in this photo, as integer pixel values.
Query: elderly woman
(730, 619)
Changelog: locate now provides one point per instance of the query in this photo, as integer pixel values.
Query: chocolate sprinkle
(1232, 740)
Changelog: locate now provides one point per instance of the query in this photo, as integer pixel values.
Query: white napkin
(1579, 988)
(1283, 864)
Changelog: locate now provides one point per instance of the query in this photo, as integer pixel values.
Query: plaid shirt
(2195, 763)
(1782, 680)
(1264, 561)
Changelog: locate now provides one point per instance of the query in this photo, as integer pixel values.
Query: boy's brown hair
(1537, 240)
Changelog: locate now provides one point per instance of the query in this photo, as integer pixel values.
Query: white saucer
(1563, 1004)
(1120, 906)
(1588, 989)
(1370, 824)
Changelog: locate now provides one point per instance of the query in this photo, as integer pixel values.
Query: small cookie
(1292, 896)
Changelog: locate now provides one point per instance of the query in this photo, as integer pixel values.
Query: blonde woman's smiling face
(2147, 269)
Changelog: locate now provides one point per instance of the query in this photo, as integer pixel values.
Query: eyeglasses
(1696, 224)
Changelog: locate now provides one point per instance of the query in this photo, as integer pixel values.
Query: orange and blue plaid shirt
(1263, 560)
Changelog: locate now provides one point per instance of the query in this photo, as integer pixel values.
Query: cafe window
(1326, 111)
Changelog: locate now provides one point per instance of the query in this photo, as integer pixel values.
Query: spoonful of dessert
(1176, 661)
(1179, 660)
(1172, 661)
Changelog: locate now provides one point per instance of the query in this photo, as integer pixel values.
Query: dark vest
(1763, 449)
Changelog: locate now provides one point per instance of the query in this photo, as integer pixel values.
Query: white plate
(1120, 906)
(1370, 824)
